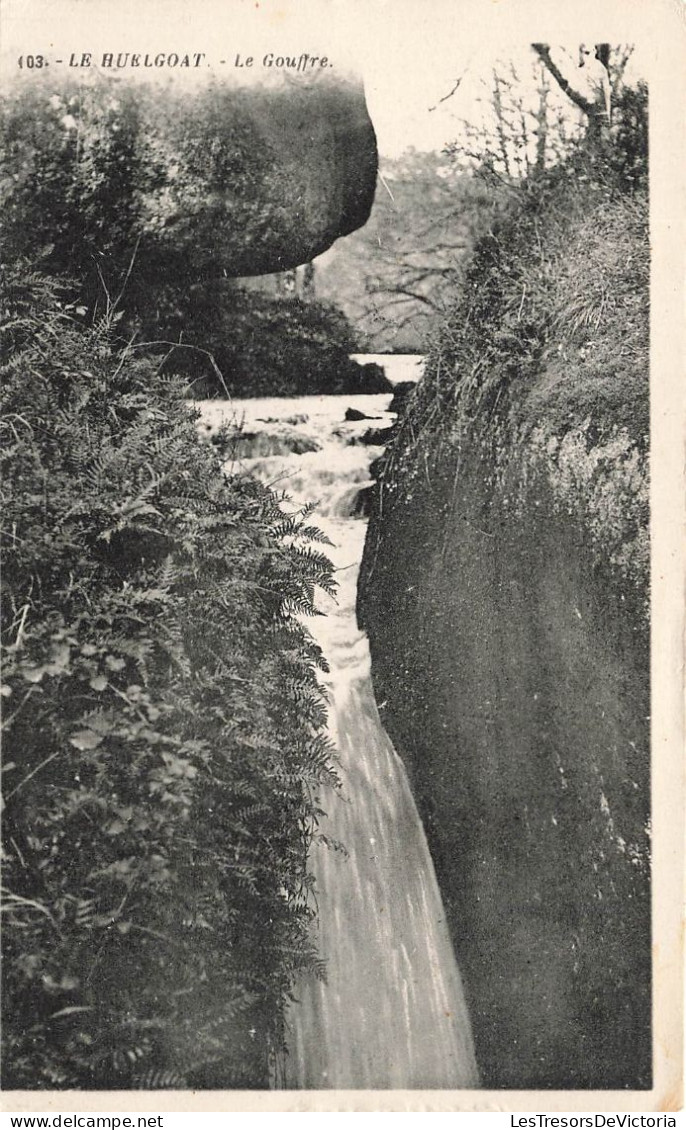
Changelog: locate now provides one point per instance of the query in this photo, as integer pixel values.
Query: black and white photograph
(342, 627)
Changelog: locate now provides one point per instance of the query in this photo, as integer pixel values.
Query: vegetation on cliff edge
(164, 728)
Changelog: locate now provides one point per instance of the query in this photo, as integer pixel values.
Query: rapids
(392, 1012)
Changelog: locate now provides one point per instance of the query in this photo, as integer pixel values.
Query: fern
(167, 728)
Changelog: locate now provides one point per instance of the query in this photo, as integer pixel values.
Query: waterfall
(392, 1012)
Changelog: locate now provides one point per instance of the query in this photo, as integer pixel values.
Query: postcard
(342, 555)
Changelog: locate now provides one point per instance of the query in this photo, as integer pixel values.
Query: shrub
(262, 345)
(96, 167)
(559, 286)
(164, 729)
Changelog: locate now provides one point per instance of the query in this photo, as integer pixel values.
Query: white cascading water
(392, 1012)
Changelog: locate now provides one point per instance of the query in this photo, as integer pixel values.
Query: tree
(596, 105)
(407, 258)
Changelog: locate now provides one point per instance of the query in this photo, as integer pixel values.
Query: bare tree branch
(617, 65)
(405, 294)
(543, 52)
(448, 95)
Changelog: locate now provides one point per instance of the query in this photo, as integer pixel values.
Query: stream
(392, 1012)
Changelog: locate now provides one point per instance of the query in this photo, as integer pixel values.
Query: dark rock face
(401, 394)
(377, 437)
(373, 379)
(363, 503)
(315, 180)
(507, 623)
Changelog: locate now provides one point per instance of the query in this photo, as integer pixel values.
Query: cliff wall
(504, 590)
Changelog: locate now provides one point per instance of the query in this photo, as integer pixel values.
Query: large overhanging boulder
(265, 176)
(195, 177)
(318, 174)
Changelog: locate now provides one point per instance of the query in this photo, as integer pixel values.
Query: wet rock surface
(504, 594)
(401, 394)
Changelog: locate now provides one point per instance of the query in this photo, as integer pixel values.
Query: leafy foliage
(164, 735)
(257, 344)
(96, 169)
(431, 209)
(558, 284)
